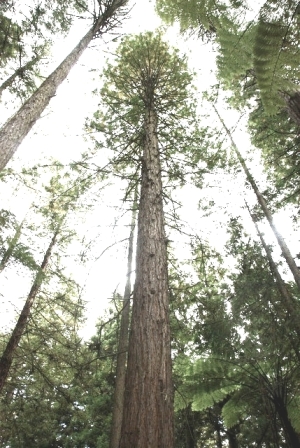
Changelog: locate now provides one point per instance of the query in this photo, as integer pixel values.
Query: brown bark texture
(18, 126)
(148, 409)
(261, 200)
(9, 351)
(123, 343)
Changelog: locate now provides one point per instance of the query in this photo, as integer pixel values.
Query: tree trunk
(123, 343)
(288, 302)
(291, 436)
(7, 357)
(292, 102)
(16, 129)
(231, 435)
(190, 439)
(284, 248)
(148, 408)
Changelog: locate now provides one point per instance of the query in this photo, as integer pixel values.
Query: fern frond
(294, 413)
(208, 399)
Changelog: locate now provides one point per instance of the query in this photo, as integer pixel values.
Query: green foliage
(204, 17)
(278, 138)
(294, 412)
(148, 74)
(10, 35)
(273, 62)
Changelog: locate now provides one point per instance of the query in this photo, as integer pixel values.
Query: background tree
(15, 130)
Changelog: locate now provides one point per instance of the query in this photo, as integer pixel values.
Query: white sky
(59, 133)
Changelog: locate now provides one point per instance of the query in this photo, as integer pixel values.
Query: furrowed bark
(148, 408)
(16, 129)
(7, 357)
(123, 343)
(261, 200)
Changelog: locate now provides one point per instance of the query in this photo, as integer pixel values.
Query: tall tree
(123, 340)
(147, 114)
(12, 344)
(15, 130)
(56, 210)
(263, 204)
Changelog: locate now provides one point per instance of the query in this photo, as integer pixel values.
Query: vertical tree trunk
(148, 408)
(283, 246)
(292, 106)
(123, 343)
(190, 439)
(16, 129)
(7, 357)
(291, 436)
(232, 439)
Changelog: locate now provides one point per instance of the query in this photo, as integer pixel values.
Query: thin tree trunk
(287, 301)
(9, 251)
(16, 129)
(18, 73)
(291, 436)
(284, 248)
(123, 342)
(148, 408)
(7, 357)
(232, 439)
(292, 102)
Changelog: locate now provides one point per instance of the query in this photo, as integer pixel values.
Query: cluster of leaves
(244, 361)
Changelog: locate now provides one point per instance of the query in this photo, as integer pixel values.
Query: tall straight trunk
(123, 342)
(148, 406)
(9, 251)
(16, 129)
(7, 357)
(292, 438)
(283, 246)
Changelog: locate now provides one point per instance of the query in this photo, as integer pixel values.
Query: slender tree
(262, 202)
(16, 129)
(147, 116)
(290, 306)
(123, 341)
(13, 342)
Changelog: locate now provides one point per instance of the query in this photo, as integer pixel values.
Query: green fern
(294, 412)
(206, 400)
(236, 408)
(276, 55)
